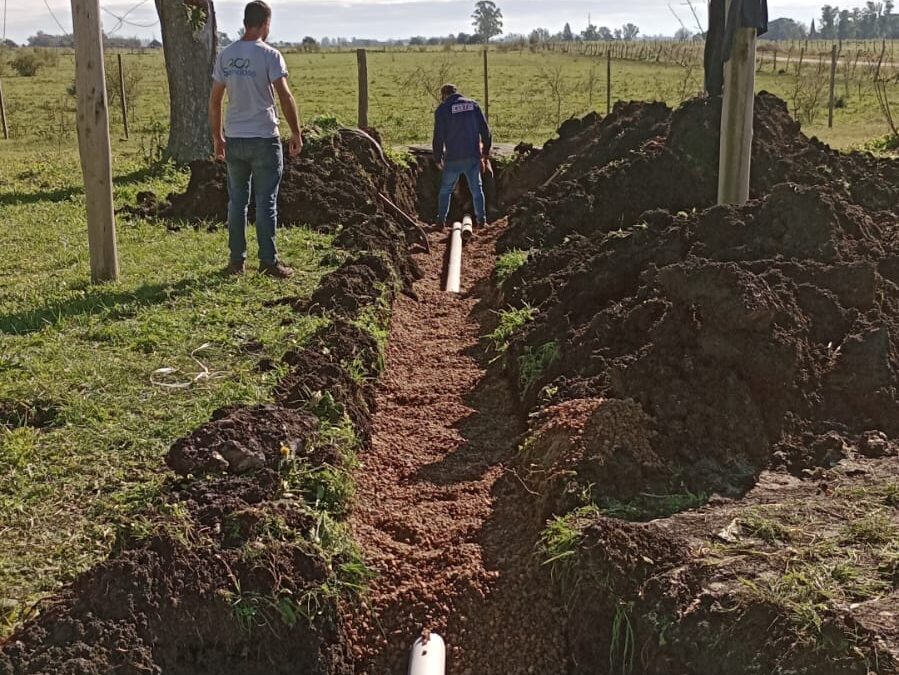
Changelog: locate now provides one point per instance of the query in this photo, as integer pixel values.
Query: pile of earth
(244, 561)
(338, 177)
(729, 374)
(602, 174)
(721, 337)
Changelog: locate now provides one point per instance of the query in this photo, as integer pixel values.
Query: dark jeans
(262, 161)
(451, 173)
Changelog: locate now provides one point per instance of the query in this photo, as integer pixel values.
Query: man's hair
(448, 90)
(256, 14)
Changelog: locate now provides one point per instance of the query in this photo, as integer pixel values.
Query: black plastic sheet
(720, 37)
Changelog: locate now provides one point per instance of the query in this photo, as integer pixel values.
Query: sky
(384, 19)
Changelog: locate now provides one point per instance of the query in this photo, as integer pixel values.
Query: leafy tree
(605, 33)
(567, 35)
(813, 32)
(539, 35)
(223, 39)
(828, 29)
(463, 39)
(487, 20)
(590, 34)
(785, 29)
(309, 44)
(629, 31)
(682, 34)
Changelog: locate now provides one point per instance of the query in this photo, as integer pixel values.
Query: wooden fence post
(735, 154)
(122, 96)
(486, 87)
(833, 79)
(608, 81)
(362, 61)
(93, 140)
(3, 113)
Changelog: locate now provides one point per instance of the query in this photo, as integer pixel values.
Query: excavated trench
(684, 463)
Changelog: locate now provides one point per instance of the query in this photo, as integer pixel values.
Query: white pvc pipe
(454, 269)
(467, 227)
(428, 658)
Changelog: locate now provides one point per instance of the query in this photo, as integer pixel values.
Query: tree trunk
(189, 59)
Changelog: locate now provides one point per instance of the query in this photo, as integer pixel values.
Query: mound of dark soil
(221, 579)
(728, 330)
(645, 156)
(336, 179)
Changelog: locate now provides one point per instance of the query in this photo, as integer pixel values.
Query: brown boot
(279, 270)
(236, 268)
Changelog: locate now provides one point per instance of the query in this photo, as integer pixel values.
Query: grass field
(530, 92)
(85, 418)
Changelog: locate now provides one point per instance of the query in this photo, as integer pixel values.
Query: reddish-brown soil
(438, 509)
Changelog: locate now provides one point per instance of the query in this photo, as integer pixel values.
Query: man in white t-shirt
(252, 72)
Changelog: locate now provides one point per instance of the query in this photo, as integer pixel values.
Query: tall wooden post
(362, 62)
(735, 159)
(608, 81)
(93, 140)
(3, 113)
(486, 86)
(833, 80)
(122, 96)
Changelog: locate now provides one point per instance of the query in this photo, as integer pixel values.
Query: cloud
(397, 18)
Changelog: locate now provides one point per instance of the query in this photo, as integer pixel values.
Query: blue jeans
(262, 161)
(451, 172)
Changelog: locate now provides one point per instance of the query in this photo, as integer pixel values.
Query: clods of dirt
(731, 329)
(728, 374)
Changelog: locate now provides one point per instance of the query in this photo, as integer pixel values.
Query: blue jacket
(459, 128)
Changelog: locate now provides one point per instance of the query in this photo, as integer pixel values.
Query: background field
(530, 91)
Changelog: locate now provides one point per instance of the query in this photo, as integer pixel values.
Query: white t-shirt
(247, 69)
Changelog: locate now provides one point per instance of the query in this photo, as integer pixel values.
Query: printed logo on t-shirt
(239, 67)
(463, 107)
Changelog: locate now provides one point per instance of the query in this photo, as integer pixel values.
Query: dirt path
(440, 518)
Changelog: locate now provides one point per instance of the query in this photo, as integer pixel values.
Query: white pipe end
(428, 658)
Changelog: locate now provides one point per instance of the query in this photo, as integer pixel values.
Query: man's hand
(218, 143)
(295, 145)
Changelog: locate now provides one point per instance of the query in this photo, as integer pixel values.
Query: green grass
(562, 536)
(649, 507)
(534, 361)
(117, 371)
(803, 559)
(401, 105)
(510, 322)
(508, 263)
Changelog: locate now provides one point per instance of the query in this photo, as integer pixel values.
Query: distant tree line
(874, 20)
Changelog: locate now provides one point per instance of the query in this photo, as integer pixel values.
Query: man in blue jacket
(461, 139)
